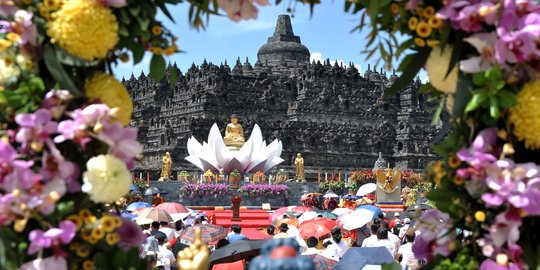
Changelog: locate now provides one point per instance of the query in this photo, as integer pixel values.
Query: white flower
(436, 68)
(9, 71)
(484, 44)
(106, 179)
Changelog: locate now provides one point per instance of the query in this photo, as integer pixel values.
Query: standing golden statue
(234, 134)
(166, 167)
(299, 167)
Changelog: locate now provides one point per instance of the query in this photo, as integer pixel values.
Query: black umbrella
(358, 258)
(236, 251)
(418, 207)
(151, 191)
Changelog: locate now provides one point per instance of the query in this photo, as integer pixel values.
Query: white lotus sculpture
(254, 155)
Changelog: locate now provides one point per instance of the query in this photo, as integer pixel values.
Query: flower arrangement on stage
(408, 178)
(482, 59)
(204, 190)
(141, 184)
(264, 190)
(336, 186)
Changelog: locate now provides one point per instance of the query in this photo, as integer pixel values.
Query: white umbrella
(179, 216)
(355, 219)
(330, 195)
(142, 220)
(366, 189)
(341, 211)
(307, 216)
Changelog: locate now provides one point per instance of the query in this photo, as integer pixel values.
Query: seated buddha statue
(234, 134)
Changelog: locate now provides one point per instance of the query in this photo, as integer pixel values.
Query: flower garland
(264, 190)
(204, 190)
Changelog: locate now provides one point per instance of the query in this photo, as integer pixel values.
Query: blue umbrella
(350, 197)
(370, 207)
(137, 205)
(358, 258)
(128, 215)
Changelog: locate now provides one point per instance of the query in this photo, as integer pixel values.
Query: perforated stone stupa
(330, 113)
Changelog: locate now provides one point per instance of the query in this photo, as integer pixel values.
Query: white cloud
(317, 56)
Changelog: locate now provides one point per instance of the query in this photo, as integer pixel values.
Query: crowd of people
(164, 240)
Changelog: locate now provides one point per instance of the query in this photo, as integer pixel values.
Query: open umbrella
(309, 195)
(322, 262)
(209, 233)
(151, 191)
(370, 207)
(330, 194)
(239, 250)
(358, 258)
(142, 220)
(355, 219)
(310, 228)
(155, 214)
(180, 216)
(172, 207)
(127, 214)
(418, 207)
(350, 197)
(341, 211)
(327, 214)
(137, 205)
(289, 209)
(307, 216)
(366, 189)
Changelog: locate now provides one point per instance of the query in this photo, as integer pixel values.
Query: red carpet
(252, 221)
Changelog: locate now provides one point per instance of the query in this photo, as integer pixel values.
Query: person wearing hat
(283, 228)
(393, 221)
(403, 230)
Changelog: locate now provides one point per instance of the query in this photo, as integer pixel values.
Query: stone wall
(173, 188)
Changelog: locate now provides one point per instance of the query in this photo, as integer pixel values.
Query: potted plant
(234, 178)
(183, 176)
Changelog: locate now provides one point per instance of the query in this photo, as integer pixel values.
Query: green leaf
(165, 11)
(444, 36)
(417, 62)
(438, 110)
(506, 99)
(138, 52)
(58, 72)
(143, 23)
(157, 67)
(494, 107)
(123, 31)
(456, 52)
(134, 10)
(477, 99)
(372, 12)
(72, 60)
(479, 79)
(124, 17)
(391, 266)
(65, 207)
(463, 94)
(500, 85)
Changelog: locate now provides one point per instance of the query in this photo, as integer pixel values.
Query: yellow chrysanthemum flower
(480, 216)
(436, 67)
(458, 181)
(112, 238)
(84, 28)
(394, 8)
(423, 29)
(454, 161)
(111, 92)
(88, 265)
(76, 219)
(435, 22)
(117, 221)
(14, 37)
(4, 44)
(157, 30)
(86, 233)
(432, 43)
(98, 233)
(525, 117)
(83, 251)
(428, 12)
(413, 22)
(420, 42)
(107, 223)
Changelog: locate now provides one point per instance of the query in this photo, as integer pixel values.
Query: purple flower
(56, 101)
(35, 129)
(54, 262)
(484, 43)
(122, 142)
(506, 228)
(114, 3)
(131, 234)
(54, 236)
(26, 28)
(436, 236)
(55, 167)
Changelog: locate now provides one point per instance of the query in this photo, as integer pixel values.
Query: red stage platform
(252, 221)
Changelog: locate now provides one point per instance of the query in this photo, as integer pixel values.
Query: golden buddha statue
(166, 167)
(234, 135)
(196, 256)
(299, 167)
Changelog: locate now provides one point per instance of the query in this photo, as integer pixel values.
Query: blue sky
(327, 34)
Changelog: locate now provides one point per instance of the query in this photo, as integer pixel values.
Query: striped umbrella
(210, 233)
(155, 214)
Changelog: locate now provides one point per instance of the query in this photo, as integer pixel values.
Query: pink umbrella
(172, 207)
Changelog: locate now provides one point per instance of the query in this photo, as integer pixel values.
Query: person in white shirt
(312, 242)
(370, 241)
(295, 233)
(165, 257)
(405, 255)
(392, 237)
(382, 235)
(168, 231)
(335, 246)
(403, 230)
